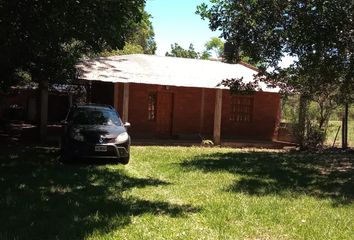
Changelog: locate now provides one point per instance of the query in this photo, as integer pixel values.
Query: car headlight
(123, 137)
(76, 135)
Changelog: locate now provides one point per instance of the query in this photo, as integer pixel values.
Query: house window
(241, 109)
(152, 107)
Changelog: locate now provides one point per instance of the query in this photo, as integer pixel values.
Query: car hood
(105, 131)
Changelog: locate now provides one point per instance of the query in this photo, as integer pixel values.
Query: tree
(205, 55)
(314, 32)
(216, 45)
(46, 38)
(128, 48)
(143, 34)
(178, 51)
(140, 39)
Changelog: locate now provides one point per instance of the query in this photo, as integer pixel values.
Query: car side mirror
(127, 125)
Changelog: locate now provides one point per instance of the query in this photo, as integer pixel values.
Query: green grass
(177, 193)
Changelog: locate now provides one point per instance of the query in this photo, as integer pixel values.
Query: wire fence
(290, 112)
(334, 133)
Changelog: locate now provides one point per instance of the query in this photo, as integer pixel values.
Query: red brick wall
(265, 117)
(187, 109)
(15, 97)
(186, 112)
(138, 110)
(58, 105)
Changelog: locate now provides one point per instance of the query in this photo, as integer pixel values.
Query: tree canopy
(178, 51)
(215, 44)
(142, 34)
(318, 34)
(45, 38)
(140, 39)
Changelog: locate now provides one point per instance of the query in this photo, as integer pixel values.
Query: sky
(175, 21)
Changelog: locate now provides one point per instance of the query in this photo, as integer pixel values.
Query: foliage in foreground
(314, 33)
(177, 193)
(46, 38)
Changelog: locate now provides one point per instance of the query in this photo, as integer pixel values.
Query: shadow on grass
(40, 198)
(264, 173)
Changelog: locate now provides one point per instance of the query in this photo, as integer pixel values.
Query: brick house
(165, 97)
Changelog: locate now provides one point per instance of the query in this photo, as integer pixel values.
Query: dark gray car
(95, 131)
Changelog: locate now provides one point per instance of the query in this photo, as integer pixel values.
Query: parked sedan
(95, 131)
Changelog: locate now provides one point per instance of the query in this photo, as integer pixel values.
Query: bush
(314, 137)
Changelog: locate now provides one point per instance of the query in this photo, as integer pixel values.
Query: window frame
(152, 106)
(241, 109)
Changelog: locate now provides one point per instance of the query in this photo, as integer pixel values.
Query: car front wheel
(65, 153)
(124, 160)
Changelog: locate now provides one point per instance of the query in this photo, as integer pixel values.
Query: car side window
(113, 118)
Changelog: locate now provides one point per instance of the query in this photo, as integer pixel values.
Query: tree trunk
(302, 120)
(43, 89)
(345, 127)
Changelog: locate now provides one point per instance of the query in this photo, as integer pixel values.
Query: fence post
(345, 127)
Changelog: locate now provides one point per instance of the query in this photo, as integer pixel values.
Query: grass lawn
(178, 193)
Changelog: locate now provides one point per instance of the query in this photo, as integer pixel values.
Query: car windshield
(94, 117)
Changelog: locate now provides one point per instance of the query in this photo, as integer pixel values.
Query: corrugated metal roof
(151, 69)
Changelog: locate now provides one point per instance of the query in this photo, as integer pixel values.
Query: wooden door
(164, 114)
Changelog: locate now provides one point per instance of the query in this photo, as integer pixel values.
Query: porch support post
(125, 102)
(44, 110)
(202, 106)
(70, 100)
(115, 97)
(217, 117)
